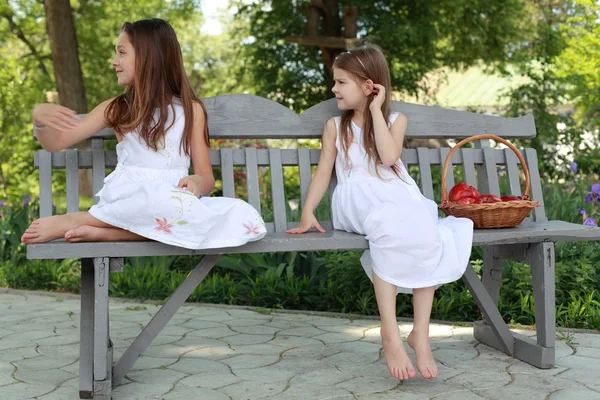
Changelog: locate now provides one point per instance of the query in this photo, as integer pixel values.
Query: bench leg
(102, 345)
(540, 256)
(502, 336)
(86, 330)
(162, 317)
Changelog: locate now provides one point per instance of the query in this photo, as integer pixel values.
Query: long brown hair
(159, 79)
(364, 63)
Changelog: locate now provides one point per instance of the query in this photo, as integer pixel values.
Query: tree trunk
(67, 69)
(332, 26)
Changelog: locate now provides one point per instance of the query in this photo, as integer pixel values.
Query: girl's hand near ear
(379, 97)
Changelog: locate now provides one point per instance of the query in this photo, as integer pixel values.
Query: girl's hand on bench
(54, 116)
(307, 222)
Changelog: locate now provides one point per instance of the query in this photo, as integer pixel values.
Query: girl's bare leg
(88, 233)
(418, 338)
(50, 228)
(397, 360)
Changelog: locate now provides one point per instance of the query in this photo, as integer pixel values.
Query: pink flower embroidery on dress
(349, 167)
(163, 225)
(251, 229)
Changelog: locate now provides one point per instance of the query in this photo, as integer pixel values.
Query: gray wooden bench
(246, 116)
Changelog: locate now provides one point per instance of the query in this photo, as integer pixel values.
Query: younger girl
(410, 250)
(160, 125)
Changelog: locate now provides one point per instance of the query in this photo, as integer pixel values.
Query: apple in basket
(488, 198)
(509, 197)
(463, 193)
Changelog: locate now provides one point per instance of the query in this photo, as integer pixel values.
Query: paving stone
(146, 362)
(575, 393)
(250, 361)
(67, 350)
(279, 355)
(199, 324)
(592, 352)
(254, 390)
(321, 377)
(246, 339)
(255, 330)
(305, 331)
(581, 369)
(194, 366)
(481, 379)
(215, 333)
(391, 395)
(152, 376)
(280, 372)
(212, 380)
(337, 337)
(44, 362)
(211, 353)
(52, 376)
(186, 393)
(368, 385)
(314, 392)
(316, 351)
(139, 391)
(21, 391)
(527, 386)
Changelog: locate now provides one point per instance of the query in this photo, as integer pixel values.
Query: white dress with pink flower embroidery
(409, 246)
(142, 196)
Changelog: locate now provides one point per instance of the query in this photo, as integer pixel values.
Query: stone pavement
(212, 352)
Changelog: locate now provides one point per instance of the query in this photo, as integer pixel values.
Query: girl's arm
(203, 180)
(58, 128)
(320, 181)
(389, 142)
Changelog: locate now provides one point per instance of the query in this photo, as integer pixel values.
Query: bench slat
(512, 172)
(72, 162)
(227, 173)
(98, 166)
(331, 240)
(425, 172)
(277, 190)
(450, 174)
(491, 172)
(468, 166)
(252, 185)
(45, 184)
(539, 213)
(305, 172)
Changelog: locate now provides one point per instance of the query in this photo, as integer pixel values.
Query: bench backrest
(252, 117)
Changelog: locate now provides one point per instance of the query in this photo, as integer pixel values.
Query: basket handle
(478, 137)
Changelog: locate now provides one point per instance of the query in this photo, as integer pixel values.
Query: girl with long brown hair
(161, 126)
(410, 250)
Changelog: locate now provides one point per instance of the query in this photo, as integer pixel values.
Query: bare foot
(397, 360)
(425, 362)
(49, 228)
(88, 233)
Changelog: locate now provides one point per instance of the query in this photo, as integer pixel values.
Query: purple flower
(596, 188)
(1, 204)
(583, 211)
(589, 222)
(588, 198)
(26, 201)
(573, 165)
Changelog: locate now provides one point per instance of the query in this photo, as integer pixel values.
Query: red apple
(509, 197)
(467, 200)
(463, 190)
(488, 198)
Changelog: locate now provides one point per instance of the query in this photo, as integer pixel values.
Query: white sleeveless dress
(409, 246)
(142, 196)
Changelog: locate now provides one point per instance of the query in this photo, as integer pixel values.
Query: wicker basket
(489, 215)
